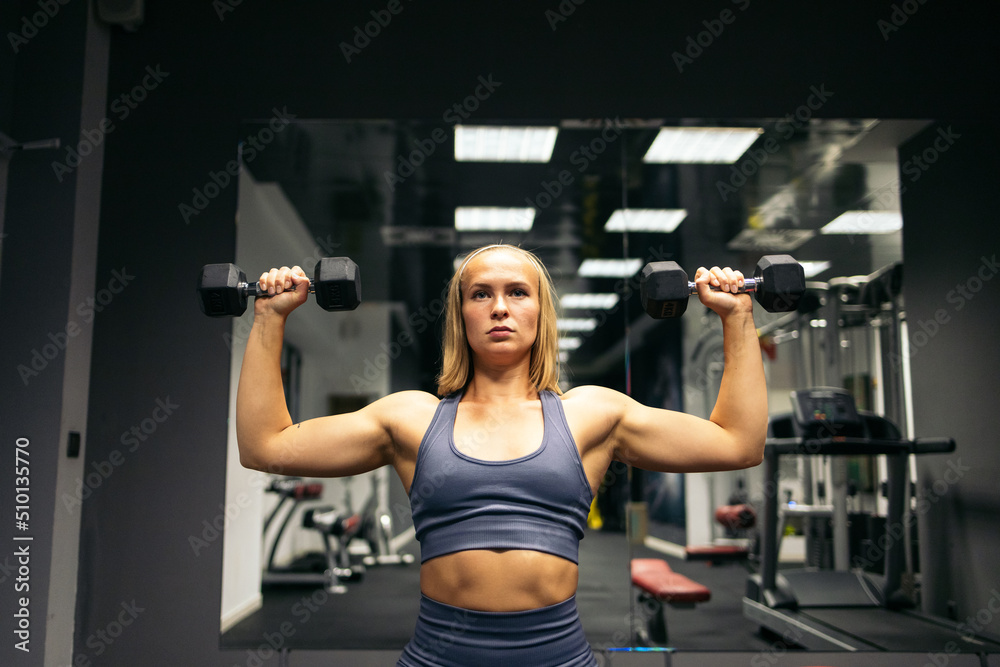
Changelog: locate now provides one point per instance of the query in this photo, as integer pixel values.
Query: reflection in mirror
(387, 194)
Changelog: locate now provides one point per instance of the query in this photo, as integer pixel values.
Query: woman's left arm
(733, 436)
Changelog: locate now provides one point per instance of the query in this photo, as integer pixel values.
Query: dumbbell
(778, 283)
(223, 289)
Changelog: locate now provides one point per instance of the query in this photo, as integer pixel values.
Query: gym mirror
(332, 563)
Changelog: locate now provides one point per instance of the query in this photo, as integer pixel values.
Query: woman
(501, 470)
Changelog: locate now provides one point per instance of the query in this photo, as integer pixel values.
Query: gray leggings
(447, 636)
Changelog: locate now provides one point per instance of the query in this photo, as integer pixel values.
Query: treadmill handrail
(853, 446)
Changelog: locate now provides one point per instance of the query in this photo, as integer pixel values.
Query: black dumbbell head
(219, 290)
(783, 280)
(337, 284)
(664, 290)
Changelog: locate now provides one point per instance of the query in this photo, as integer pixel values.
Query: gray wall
(952, 292)
(148, 346)
(47, 274)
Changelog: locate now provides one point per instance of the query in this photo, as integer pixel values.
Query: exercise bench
(658, 584)
(735, 519)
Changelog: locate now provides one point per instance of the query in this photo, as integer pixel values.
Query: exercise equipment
(223, 290)
(737, 521)
(658, 585)
(778, 283)
(376, 531)
(342, 526)
(309, 569)
(845, 609)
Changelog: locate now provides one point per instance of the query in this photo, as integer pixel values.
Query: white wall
(337, 349)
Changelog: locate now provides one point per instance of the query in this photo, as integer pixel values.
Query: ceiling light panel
(865, 222)
(813, 269)
(701, 145)
(493, 219)
(487, 143)
(663, 220)
(609, 268)
(570, 343)
(576, 324)
(591, 301)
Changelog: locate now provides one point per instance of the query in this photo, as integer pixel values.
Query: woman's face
(500, 305)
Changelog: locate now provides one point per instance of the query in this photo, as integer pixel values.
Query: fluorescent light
(609, 268)
(645, 220)
(573, 301)
(812, 269)
(709, 145)
(488, 143)
(865, 222)
(770, 240)
(570, 343)
(493, 219)
(576, 324)
(563, 357)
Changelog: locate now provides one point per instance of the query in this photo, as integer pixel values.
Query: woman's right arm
(332, 446)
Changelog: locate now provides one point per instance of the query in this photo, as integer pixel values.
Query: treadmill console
(828, 409)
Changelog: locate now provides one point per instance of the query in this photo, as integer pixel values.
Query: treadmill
(845, 610)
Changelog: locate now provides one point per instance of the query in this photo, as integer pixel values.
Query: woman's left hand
(724, 299)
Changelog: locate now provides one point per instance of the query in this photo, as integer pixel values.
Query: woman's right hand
(287, 289)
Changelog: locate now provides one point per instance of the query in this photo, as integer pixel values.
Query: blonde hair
(456, 368)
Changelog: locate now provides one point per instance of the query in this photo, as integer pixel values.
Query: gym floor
(378, 613)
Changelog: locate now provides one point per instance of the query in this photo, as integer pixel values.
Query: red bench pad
(717, 552)
(656, 578)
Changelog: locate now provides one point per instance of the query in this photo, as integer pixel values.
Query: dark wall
(152, 348)
(35, 275)
(952, 291)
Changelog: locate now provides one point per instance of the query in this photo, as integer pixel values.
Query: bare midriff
(499, 580)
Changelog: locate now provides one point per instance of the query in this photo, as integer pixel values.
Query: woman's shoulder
(593, 398)
(406, 414)
(412, 399)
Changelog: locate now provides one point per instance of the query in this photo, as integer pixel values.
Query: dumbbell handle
(255, 290)
(749, 285)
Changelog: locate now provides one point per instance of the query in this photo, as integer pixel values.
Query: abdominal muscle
(499, 580)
